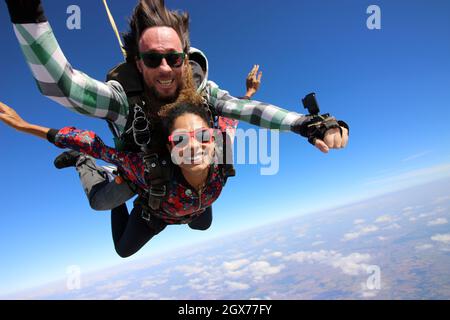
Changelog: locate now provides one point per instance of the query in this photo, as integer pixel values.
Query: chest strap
(158, 174)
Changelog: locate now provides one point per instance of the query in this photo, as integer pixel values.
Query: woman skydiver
(196, 182)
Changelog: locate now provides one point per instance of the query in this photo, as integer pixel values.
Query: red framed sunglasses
(181, 139)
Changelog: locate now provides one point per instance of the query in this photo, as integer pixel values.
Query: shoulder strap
(128, 76)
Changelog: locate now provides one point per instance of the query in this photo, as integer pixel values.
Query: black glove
(26, 11)
(315, 127)
(345, 125)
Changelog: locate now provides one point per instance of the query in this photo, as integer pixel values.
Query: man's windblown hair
(153, 13)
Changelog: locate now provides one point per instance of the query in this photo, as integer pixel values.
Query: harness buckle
(158, 191)
(145, 215)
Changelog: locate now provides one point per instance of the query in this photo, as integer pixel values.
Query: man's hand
(253, 81)
(333, 140)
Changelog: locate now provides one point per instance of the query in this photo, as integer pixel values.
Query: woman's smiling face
(195, 149)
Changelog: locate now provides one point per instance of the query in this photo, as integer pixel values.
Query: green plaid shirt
(78, 92)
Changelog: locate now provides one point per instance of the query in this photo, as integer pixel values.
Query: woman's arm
(12, 119)
(80, 140)
(90, 143)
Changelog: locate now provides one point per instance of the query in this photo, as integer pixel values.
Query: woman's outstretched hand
(9, 116)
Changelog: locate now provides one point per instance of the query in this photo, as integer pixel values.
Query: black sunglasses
(154, 59)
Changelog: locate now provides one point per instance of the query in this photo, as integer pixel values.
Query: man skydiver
(157, 45)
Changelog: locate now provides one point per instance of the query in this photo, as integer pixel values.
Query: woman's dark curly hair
(153, 13)
(188, 102)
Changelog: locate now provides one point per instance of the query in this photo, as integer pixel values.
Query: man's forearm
(54, 75)
(254, 112)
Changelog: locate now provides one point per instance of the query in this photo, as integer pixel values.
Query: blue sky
(390, 85)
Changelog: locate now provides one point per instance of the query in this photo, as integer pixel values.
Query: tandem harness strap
(158, 171)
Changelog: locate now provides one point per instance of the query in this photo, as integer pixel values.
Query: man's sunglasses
(154, 59)
(180, 139)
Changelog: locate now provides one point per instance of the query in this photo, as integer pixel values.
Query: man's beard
(154, 95)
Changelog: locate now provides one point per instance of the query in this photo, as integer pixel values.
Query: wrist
(23, 126)
(250, 92)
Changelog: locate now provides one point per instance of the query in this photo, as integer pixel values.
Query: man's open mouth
(166, 83)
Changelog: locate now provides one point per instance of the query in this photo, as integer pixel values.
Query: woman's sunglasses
(180, 139)
(153, 59)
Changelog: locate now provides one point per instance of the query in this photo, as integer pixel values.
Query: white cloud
(260, 269)
(232, 285)
(277, 254)
(174, 288)
(444, 238)
(300, 231)
(256, 270)
(424, 246)
(147, 295)
(362, 230)
(394, 226)
(441, 199)
(381, 238)
(416, 176)
(358, 221)
(368, 229)
(113, 286)
(440, 210)
(317, 243)
(407, 211)
(438, 221)
(384, 218)
(197, 283)
(189, 270)
(235, 264)
(415, 156)
(280, 239)
(352, 264)
(152, 282)
(369, 294)
(351, 235)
